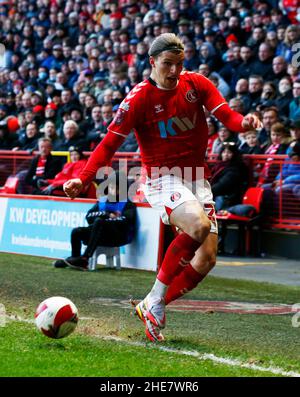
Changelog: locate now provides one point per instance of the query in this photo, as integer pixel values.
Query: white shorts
(168, 192)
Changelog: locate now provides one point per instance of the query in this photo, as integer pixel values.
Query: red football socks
(187, 280)
(178, 255)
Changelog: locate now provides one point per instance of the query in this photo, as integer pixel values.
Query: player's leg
(195, 226)
(180, 207)
(205, 256)
(202, 263)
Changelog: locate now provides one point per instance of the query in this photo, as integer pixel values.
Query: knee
(78, 231)
(200, 229)
(75, 232)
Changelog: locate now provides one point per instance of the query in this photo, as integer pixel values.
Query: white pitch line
(210, 357)
(192, 353)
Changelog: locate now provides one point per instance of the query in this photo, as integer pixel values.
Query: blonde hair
(289, 29)
(165, 42)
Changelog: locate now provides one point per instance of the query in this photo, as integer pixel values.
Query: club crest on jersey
(191, 96)
(175, 196)
(158, 108)
(119, 117)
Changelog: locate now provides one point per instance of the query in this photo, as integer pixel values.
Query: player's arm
(124, 121)
(99, 158)
(217, 105)
(235, 121)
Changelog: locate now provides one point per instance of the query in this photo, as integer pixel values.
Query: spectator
(58, 58)
(191, 60)
(278, 137)
(293, 72)
(257, 38)
(279, 66)
(285, 187)
(50, 112)
(71, 136)
(208, 56)
(224, 135)
(229, 178)
(132, 81)
(263, 66)
(237, 104)
(290, 174)
(270, 117)
(89, 102)
(285, 97)
(268, 95)
(232, 61)
(291, 37)
(97, 130)
(244, 70)
(142, 61)
(242, 92)
(49, 131)
(100, 85)
(251, 145)
(43, 166)
(28, 140)
(276, 146)
(255, 89)
(111, 222)
(72, 169)
(294, 108)
(212, 125)
(295, 135)
(218, 80)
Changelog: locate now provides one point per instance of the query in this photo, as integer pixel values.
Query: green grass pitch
(109, 341)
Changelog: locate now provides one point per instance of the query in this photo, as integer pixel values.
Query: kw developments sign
(39, 227)
(42, 227)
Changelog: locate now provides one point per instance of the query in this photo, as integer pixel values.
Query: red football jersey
(170, 125)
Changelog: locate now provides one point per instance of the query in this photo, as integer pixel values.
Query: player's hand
(73, 187)
(251, 122)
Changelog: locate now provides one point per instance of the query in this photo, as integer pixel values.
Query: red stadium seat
(253, 197)
(10, 185)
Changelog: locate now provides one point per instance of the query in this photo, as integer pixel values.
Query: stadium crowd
(69, 65)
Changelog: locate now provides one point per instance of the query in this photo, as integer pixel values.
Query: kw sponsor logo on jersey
(184, 124)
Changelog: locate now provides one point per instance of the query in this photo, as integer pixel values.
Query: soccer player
(166, 112)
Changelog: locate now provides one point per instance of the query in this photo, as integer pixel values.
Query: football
(56, 317)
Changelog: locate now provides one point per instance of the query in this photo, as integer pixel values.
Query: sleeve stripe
(118, 133)
(217, 107)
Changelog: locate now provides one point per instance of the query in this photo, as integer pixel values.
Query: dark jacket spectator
(251, 144)
(112, 223)
(43, 166)
(285, 97)
(71, 137)
(229, 178)
(28, 140)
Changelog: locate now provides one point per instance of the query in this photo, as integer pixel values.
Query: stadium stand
(76, 61)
